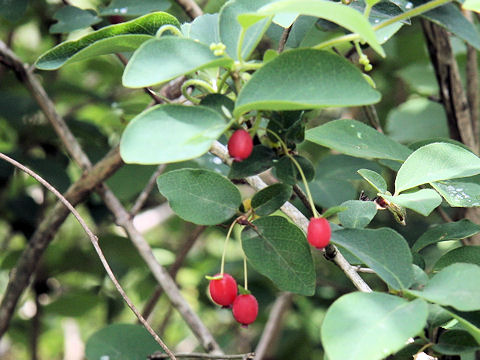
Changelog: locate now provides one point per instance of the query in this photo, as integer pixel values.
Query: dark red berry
(223, 291)
(240, 145)
(116, 19)
(245, 309)
(319, 232)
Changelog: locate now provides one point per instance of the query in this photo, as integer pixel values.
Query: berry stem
(222, 267)
(300, 170)
(245, 275)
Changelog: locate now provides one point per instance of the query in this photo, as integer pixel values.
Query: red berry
(223, 291)
(245, 309)
(116, 19)
(240, 145)
(319, 232)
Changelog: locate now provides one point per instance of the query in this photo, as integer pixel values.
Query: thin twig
(248, 356)
(46, 230)
(284, 39)
(299, 219)
(95, 244)
(364, 270)
(173, 270)
(303, 198)
(273, 326)
(123, 219)
(137, 206)
(372, 116)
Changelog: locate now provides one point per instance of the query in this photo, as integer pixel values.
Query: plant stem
(170, 28)
(408, 14)
(196, 82)
(300, 170)
(222, 267)
(241, 38)
(245, 275)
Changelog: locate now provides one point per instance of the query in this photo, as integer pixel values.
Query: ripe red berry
(223, 291)
(245, 309)
(319, 232)
(240, 145)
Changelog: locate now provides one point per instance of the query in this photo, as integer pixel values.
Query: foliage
(306, 79)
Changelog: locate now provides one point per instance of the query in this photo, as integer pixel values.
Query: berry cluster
(224, 292)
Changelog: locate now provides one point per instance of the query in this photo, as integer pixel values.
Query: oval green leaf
(170, 133)
(354, 138)
(121, 342)
(278, 249)
(383, 250)
(470, 321)
(71, 18)
(464, 254)
(230, 28)
(374, 179)
(457, 285)
(434, 162)
(423, 201)
(134, 7)
(454, 342)
(122, 37)
(459, 193)
(358, 213)
(370, 326)
(259, 160)
(287, 172)
(450, 231)
(200, 196)
(271, 198)
(160, 60)
(320, 78)
(338, 13)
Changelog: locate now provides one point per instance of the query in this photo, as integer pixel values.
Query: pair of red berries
(319, 232)
(224, 292)
(240, 145)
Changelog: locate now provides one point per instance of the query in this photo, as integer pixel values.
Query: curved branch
(93, 238)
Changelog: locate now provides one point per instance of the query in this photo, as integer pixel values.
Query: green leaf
(331, 192)
(288, 125)
(450, 231)
(335, 12)
(457, 285)
(135, 7)
(383, 250)
(270, 199)
(71, 18)
(459, 193)
(121, 342)
(123, 37)
(434, 162)
(278, 249)
(370, 326)
(354, 138)
(423, 201)
(204, 28)
(230, 28)
(13, 10)
(200, 196)
(216, 102)
(174, 55)
(358, 214)
(287, 172)
(259, 160)
(343, 167)
(146, 141)
(453, 342)
(311, 73)
(417, 119)
(452, 19)
(464, 254)
(470, 321)
(374, 179)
